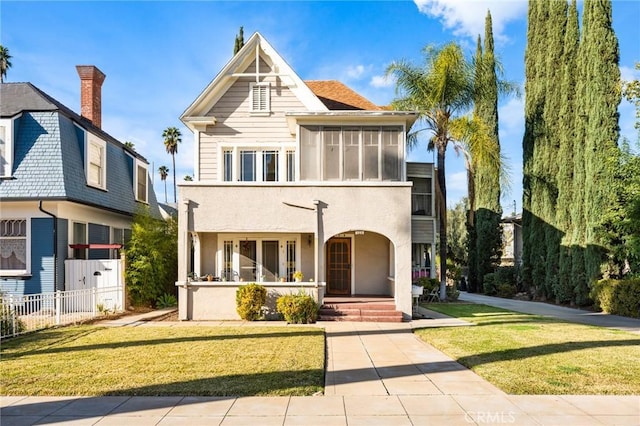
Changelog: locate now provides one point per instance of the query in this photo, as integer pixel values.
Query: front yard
(208, 361)
(528, 354)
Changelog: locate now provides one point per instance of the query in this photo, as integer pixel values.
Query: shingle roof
(337, 96)
(18, 97)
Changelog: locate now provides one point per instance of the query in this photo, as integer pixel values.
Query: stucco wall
(383, 208)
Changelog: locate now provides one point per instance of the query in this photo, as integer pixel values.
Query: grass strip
(529, 354)
(207, 361)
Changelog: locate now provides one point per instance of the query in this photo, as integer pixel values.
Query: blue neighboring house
(63, 181)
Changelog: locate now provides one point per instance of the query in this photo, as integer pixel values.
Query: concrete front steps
(376, 310)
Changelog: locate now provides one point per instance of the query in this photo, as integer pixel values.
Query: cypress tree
(239, 41)
(557, 18)
(488, 210)
(472, 263)
(602, 97)
(566, 132)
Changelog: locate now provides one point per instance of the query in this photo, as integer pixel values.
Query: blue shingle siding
(37, 159)
(63, 247)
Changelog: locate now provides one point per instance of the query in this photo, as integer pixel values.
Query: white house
(298, 176)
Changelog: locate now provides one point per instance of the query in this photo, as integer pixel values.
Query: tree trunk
(165, 190)
(443, 222)
(175, 192)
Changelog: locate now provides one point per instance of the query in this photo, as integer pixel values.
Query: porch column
(183, 260)
(195, 238)
(319, 243)
(432, 261)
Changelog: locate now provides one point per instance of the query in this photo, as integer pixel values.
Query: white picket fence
(21, 314)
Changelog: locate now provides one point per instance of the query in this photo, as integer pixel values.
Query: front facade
(63, 182)
(296, 176)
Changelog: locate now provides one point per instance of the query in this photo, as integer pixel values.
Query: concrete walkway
(600, 319)
(377, 374)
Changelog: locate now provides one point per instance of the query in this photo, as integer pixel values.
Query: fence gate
(95, 274)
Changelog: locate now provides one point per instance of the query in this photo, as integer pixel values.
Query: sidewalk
(376, 374)
(599, 319)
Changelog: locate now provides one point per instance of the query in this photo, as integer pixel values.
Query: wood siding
(236, 123)
(422, 230)
(420, 169)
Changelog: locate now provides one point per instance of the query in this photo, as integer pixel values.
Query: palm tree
(164, 171)
(5, 63)
(442, 92)
(171, 137)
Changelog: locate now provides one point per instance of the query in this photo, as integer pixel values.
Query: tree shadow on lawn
(534, 351)
(7, 354)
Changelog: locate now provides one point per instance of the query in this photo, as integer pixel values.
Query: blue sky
(159, 55)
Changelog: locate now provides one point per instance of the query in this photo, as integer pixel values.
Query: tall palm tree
(5, 63)
(164, 172)
(442, 92)
(172, 138)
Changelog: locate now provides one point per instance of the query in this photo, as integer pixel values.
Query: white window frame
(27, 270)
(90, 141)
(256, 88)
(7, 124)
(258, 238)
(235, 148)
(136, 181)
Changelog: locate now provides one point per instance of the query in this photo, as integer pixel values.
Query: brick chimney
(91, 79)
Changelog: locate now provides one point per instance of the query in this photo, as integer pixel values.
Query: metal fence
(21, 314)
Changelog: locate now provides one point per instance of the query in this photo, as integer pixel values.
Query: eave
(406, 118)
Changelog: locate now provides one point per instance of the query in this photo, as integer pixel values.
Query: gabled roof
(337, 96)
(20, 97)
(256, 45)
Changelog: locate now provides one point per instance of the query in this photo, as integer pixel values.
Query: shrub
(506, 290)
(166, 301)
(619, 297)
(489, 285)
(428, 283)
(250, 299)
(298, 308)
(506, 275)
(10, 324)
(452, 293)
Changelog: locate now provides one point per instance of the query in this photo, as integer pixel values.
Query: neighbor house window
(13, 246)
(421, 196)
(79, 237)
(247, 166)
(96, 163)
(6, 147)
(260, 97)
(141, 183)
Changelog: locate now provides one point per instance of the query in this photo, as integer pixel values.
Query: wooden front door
(339, 266)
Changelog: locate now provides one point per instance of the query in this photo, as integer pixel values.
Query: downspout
(55, 245)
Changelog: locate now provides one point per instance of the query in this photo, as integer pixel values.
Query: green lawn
(528, 354)
(90, 360)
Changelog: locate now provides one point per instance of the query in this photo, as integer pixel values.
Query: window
(6, 147)
(228, 165)
(351, 153)
(421, 196)
(258, 257)
(96, 163)
(291, 166)
(260, 97)
(141, 182)
(269, 166)
(247, 166)
(79, 237)
(14, 246)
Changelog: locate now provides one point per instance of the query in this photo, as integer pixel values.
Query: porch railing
(21, 314)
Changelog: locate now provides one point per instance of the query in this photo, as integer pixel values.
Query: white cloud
(381, 81)
(628, 73)
(355, 71)
(466, 17)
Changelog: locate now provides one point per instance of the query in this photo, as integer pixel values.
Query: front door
(339, 266)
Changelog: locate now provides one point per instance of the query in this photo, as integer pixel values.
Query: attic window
(260, 97)
(96, 163)
(6, 148)
(141, 182)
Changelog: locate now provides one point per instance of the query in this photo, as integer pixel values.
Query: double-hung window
(258, 164)
(141, 182)
(14, 247)
(247, 166)
(96, 162)
(269, 166)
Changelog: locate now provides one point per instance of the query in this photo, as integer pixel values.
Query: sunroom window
(258, 164)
